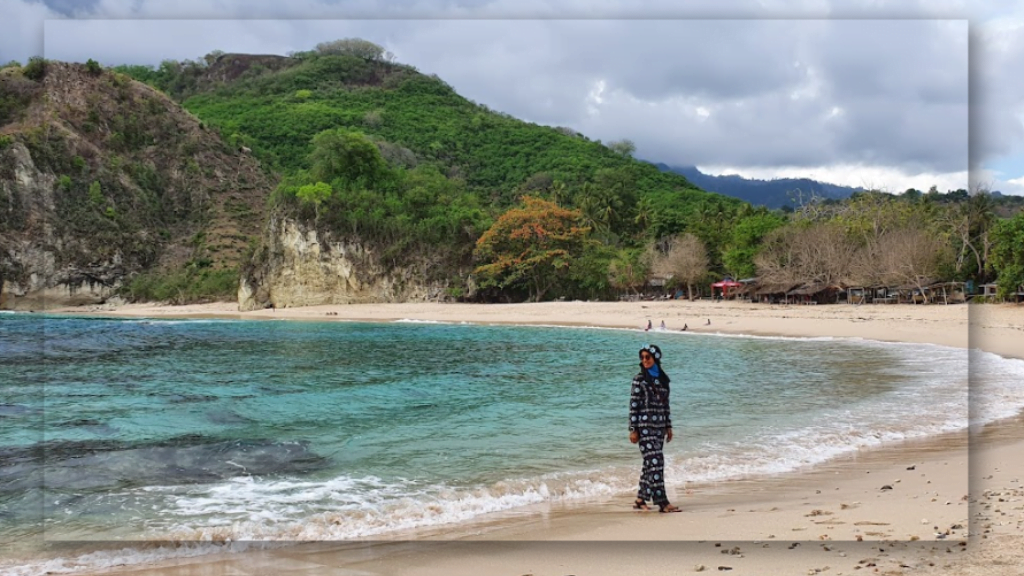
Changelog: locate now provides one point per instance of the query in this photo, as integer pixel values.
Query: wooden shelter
(884, 294)
(816, 293)
(726, 288)
(858, 295)
(947, 292)
(748, 290)
(991, 291)
(773, 292)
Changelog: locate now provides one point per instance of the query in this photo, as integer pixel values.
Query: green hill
(337, 175)
(452, 165)
(166, 191)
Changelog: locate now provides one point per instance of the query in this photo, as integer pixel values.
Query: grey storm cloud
(769, 87)
(997, 93)
(807, 88)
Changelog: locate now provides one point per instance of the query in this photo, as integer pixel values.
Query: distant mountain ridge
(772, 194)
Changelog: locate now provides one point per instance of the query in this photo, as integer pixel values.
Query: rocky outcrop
(44, 286)
(297, 266)
(103, 178)
(32, 275)
(228, 67)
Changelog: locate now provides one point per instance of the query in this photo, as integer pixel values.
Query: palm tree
(644, 215)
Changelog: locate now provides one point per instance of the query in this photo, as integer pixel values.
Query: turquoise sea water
(197, 430)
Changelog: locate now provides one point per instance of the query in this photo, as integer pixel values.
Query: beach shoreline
(803, 522)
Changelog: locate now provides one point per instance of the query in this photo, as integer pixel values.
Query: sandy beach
(949, 505)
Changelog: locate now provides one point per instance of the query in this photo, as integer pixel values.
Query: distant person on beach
(662, 324)
(709, 322)
(684, 328)
(650, 426)
(648, 326)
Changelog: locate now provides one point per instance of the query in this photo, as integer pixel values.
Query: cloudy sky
(873, 93)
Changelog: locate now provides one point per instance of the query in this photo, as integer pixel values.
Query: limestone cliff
(103, 178)
(299, 266)
(32, 275)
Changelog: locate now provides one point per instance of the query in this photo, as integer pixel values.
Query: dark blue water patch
(227, 418)
(74, 423)
(188, 398)
(17, 410)
(103, 340)
(89, 425)
(111, 464)
(80, 395)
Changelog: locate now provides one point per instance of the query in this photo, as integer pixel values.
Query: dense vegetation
(372, 150)
(880, 239)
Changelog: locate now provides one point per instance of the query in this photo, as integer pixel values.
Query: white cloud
(763, 94)
(987, 179)
(21, 33)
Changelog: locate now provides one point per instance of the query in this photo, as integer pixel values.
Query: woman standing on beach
(650, 425)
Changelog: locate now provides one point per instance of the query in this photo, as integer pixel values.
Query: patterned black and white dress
(649, 414)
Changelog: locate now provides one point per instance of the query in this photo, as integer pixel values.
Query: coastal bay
(749, 526)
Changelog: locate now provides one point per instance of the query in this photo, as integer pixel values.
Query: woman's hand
(668, 435)
(634, 437)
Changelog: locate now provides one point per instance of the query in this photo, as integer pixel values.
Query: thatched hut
(816, 293)
(773, 292)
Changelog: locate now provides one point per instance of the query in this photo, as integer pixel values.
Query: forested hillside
(776, 193)
(375, 150)
(229, 167)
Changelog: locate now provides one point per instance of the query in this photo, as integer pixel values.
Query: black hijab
(656, 352)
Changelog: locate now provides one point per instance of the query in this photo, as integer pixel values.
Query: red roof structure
(725, 286)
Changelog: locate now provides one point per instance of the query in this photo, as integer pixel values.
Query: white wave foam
(741, 336)
(351, 508)
(932, 399)
(417, 321)
(189, 321)
(279, 513)
(997, 387)
(790, 451)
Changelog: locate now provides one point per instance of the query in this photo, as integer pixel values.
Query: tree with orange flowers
(530, 247)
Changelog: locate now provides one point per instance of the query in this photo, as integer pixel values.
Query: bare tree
(968, 223)
(776, 263)
(684, 258)
(911, 256)
(819, 253)
(865, 269)
(830, 255)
